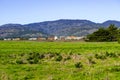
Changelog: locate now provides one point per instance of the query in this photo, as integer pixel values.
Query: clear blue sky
(29, 11)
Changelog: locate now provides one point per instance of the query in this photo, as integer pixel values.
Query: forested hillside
(63, 27)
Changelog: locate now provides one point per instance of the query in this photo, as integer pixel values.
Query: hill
(63, 27)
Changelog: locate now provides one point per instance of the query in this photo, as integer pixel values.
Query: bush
(78, 65)
(111, 54)
(51, 55)
(31, 62)
(56, 54)
(41, 56)
(67, 58)
(118, 54)
(35, 61)
(33, 58)
(19, 62)
(100, 56)
(91, 60)
(59, 58)
(114, 69)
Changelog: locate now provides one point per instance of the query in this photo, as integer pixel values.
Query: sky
(30, 11)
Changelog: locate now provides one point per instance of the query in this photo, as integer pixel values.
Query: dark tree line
(112, 33)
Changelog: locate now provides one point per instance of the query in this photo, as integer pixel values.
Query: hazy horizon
(30, 11)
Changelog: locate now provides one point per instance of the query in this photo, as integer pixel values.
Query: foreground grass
(26, 60)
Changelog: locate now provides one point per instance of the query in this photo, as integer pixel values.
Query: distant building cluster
(49, 38)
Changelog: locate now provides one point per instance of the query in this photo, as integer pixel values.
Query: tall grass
(31, 60)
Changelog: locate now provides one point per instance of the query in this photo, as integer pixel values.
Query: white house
(73, 38)
(55, 38)
(32, 39)
(7, 39)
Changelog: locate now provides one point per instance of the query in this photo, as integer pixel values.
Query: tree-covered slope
(63, 27)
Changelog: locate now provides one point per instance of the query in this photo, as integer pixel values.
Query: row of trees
(112, 33)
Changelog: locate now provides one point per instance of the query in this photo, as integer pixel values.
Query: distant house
(7, 39)
(62, 38)
(16, 39)
(79, 38)
(70, 38)
(32, 39)
(55, 38)
(52, 38)
(41, 38)
(73, 38)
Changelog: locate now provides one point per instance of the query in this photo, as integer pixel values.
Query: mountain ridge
(61, 27)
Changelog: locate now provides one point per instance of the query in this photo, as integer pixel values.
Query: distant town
(49, 38)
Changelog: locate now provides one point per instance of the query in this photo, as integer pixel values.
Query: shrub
(118, 54)
(78, 65)
(59, 58)
(114, 69)
(68, 58)
(33, 55)
(35, 61)
(19, 62)
(28, 76)
(91, 60)
(57, 54)
(41, 56)
(100, 56)
(51, 55)
(22, 54)
(33, 58)
(30, 61)
(111, 54)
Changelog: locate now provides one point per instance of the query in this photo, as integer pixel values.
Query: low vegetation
(27, 60)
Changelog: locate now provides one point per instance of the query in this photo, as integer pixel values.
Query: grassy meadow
(33, 60)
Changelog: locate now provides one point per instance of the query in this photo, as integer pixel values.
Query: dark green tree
(109, 34)
(100, 35)
(113, 32)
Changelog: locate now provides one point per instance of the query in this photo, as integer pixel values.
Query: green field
(32, 60)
